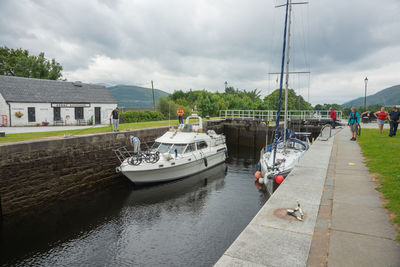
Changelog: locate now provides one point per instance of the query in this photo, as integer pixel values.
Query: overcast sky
(183, 44)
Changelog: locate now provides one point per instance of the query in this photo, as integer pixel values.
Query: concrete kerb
(270, 240)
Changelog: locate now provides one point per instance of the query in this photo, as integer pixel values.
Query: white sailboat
(288, 149)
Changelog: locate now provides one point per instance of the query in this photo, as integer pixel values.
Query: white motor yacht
(176, 154)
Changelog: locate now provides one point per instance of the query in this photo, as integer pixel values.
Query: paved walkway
(10, 130)
(274, 238)
(352, 227)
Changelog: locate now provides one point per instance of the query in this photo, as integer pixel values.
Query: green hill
(386, 97)
(134, 96)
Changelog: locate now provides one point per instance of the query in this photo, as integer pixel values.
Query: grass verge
(383, 157)
(9, 138)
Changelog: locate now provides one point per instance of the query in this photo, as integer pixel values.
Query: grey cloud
(239, 41)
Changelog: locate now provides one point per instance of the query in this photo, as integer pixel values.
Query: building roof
(17, 89)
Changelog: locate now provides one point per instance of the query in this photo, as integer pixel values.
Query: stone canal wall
(36, 173)
(39, 172)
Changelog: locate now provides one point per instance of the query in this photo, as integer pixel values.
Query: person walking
(115, 117)
(381, 118)
(394, 117)
(333, 117)
(353, 123)
(180, 115)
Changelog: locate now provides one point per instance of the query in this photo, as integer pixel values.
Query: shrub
(140, 115)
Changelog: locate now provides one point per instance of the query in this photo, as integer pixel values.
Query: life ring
(205, 162)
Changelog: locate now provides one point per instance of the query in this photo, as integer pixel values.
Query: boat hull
(284, 170)
(173, 172)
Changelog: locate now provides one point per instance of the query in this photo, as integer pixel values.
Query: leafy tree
(168, 108)
(18, 62)
(230, 90)
(295, 102)
(327, 107)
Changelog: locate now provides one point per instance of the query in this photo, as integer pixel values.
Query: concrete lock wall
(40, 172)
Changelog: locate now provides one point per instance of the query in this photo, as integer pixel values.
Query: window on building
(31, 115)
(201, 145)
(79, 113)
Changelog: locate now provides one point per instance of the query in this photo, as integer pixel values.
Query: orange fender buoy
(257, 175)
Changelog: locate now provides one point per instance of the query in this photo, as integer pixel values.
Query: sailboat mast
(287, 72)
(281, 83)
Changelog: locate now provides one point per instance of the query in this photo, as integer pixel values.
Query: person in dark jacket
(394, 117)
(115, 118)
(353, 123)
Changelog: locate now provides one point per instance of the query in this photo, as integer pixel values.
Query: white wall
(3, 110)
(44, 112)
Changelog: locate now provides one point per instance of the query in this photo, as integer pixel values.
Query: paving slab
(305, 194)
(348, 249)
(271, 247)
(226, 260)
(362, 219)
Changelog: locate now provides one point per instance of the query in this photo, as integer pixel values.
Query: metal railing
(270, 115)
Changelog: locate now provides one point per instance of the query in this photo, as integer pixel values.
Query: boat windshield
(164, 148)
(190, 148)
(179, 148)
(155, 146)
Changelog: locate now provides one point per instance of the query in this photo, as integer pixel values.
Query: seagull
(293, 212)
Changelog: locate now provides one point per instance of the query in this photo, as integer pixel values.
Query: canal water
(190, 222)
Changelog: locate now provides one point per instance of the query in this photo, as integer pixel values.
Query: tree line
(210, 103)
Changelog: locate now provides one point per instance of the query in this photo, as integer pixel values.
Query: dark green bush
(140, 115)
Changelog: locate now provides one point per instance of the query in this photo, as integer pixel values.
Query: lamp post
(365, 97)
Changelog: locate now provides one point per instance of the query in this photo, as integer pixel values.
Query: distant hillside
(134, 96)
(385, 97)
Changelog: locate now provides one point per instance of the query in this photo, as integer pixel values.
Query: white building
(29, 102)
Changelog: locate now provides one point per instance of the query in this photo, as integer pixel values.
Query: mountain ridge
(385, 97)
(133, 96)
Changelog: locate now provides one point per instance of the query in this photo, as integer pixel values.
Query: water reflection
(187, 222)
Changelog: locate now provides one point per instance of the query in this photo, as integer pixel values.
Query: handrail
(269, 115)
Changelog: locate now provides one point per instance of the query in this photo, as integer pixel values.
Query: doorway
(57, 113)
(97, 115)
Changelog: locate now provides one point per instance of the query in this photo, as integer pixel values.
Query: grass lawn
(124, 126)
(383, 154)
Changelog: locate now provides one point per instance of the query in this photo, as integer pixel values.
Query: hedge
(140, 115)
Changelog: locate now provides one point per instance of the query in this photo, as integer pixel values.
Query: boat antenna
(280, 83)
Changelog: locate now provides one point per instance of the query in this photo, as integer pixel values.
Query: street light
(365, 97)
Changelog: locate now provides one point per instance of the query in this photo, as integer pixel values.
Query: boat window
(179, 148)
(190, 148)
(201, 145)
(155, 146)
(164, 148)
